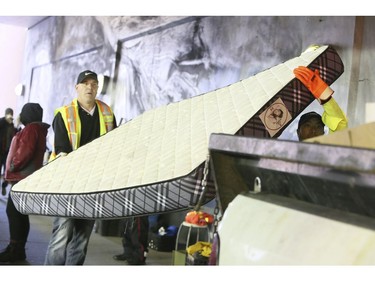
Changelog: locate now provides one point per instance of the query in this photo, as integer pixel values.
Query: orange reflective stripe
(70, 125)
(106, 116)
(71, 115)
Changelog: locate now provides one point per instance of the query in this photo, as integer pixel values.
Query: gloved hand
(313, 82)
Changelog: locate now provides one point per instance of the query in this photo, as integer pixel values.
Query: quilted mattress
(155, 163)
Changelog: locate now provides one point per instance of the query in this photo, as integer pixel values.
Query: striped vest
(72, 122)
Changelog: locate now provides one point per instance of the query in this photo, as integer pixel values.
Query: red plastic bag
(199, 218)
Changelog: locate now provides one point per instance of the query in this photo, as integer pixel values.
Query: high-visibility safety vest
(333, 116)
(72, 122)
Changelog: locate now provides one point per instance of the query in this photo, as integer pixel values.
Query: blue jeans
(69, 241)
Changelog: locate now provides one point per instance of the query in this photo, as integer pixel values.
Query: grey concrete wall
(152, 61)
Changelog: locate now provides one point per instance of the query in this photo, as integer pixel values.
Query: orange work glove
(313, 82)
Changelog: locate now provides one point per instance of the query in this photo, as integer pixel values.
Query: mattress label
(275, 117)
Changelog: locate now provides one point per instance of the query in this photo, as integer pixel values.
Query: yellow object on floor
(203, 247)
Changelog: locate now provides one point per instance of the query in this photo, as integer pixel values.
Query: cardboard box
(362, 136)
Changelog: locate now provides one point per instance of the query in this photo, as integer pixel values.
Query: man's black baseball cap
(87, 74)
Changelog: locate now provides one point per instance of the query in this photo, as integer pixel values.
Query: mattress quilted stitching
(164, 143)
(158, 161)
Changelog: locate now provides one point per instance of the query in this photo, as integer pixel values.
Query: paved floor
(100, 250)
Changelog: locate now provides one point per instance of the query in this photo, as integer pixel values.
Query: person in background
(7, 131)
(312, 124)
(25, 156)
(135, 241)
(75, 125)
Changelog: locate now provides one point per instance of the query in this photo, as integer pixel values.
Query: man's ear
(298, 133)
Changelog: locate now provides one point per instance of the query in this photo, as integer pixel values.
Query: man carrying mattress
(312, 124)
(75, 125)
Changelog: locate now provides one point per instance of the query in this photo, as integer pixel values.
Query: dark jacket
(7, 131)
(28, 146)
